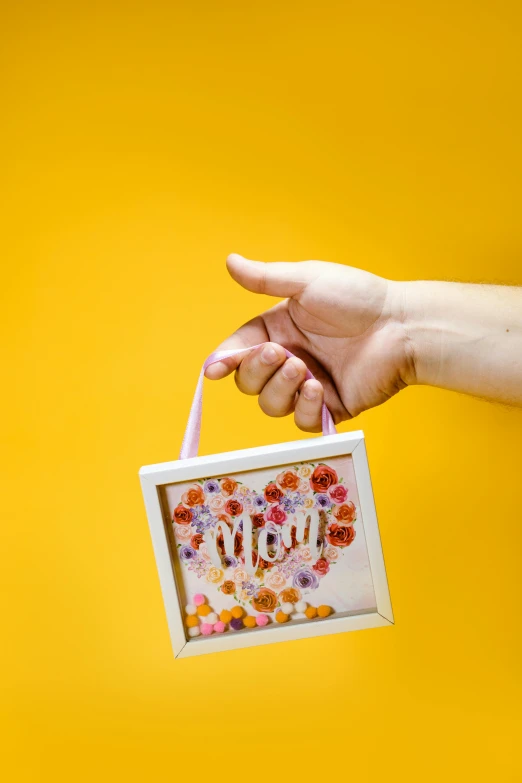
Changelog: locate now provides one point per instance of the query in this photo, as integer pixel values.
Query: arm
(466, 338)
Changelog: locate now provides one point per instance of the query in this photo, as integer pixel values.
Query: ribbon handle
(190, 445)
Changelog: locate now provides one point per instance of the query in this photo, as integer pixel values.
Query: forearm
(467, 338)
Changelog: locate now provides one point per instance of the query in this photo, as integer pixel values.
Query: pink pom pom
(261, 619)
(206, 629)
(219, 627)
(199, 599)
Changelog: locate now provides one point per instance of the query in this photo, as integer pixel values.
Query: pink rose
(338, 493)
(276, 514)
(217, 503)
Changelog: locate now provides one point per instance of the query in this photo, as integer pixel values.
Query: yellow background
(141, 143)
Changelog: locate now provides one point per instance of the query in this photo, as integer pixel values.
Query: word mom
(282, 533)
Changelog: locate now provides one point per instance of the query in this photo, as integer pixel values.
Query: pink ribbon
(190, 445)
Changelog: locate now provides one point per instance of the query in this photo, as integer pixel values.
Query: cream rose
(203, 551)
(240, 575)
(183, 532)
(217, 503)
(275, 580)
(304, 471)
(214, 575)
(305, 553)
(331, 553)
(308, 503)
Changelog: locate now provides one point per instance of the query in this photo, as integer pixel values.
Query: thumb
(275, 279)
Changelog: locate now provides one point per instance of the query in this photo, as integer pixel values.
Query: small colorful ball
(237, 612)
(236, 623)
(198, 599)
(324, 611)
(250, 622)
(203, 610)
(192, 621)
(225, 616)
(287, 608)
(282, 617)
(191, 608)
(219, 627)
(194, 631)
(261, 620)
(301, 606)
(211, 618)
(311, 612)
(206, 629)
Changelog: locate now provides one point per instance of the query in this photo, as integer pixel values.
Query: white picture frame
(154, 477)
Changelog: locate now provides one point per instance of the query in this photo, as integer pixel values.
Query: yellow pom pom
(250, 622)
(203, 610)
(281, 617)
(237, 612)
(225, 616)
(311, 612)
(324, 611)
(192, 621)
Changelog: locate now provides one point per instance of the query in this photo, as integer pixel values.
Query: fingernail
(269, 355)
(290, 371)
(310, 393)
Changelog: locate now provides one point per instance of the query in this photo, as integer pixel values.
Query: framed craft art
(266, 544)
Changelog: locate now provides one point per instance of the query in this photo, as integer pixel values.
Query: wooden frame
(154, 477)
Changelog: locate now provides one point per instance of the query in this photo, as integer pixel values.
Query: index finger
(250, 334)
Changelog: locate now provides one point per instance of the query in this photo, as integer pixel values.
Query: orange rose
(290, 596)
(265, 600)
(228, 486)
(288, 480)
(228, 587)
(258, 520)
(182, 515)
(196, 541)
(233, 507)
(194, 496)
(345, 513)
(340, 535)
(322, 478)
(272, 493)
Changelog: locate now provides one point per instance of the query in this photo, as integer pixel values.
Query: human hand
(344, 324)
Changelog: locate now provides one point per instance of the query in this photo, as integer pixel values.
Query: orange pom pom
(225, 616)
(237, 612)
(324, 611)
(192, 621)
(281, 617)
(250, 622)
(203, 610)
(311, 612)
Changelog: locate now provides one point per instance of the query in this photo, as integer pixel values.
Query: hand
(344, 324)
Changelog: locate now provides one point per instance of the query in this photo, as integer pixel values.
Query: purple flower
(211, 486)
(202, 518)
(323, 501)
(305, 579)
(271, 539)
(291, 501)
(230, 561)
(259, 501)
(187, 553)
(249, 588)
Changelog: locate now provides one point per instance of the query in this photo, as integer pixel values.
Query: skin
(365, 338)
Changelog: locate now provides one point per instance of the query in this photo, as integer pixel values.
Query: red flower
(182, 515)
(276, 514)
(233, 507)
(322, 566)
(196, 540)
(258, 520)
(340, 535)
(273, 494)
(338, 493)
(322, 478)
